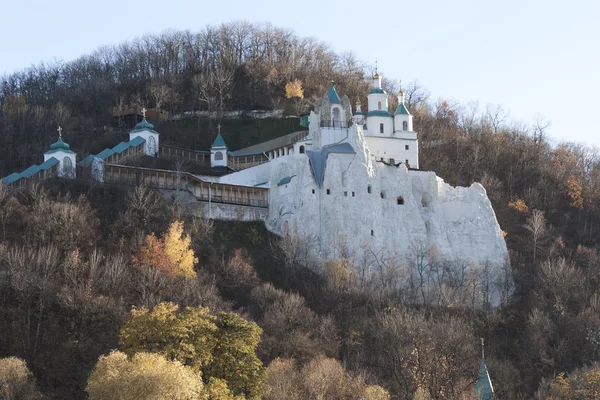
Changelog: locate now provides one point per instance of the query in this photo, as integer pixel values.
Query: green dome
(59, 145)
(143, 124)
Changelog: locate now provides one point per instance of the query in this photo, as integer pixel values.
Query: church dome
(143, 124)
(59, 145)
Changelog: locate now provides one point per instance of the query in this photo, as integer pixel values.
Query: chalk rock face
(343, 203)
(365, 207)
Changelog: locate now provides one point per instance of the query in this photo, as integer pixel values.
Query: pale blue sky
(533, 57)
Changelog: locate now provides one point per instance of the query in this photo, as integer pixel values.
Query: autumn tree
(16, 380)
(170, 254)
(321, 379)
(143, 376)
(221, 346)
(295, 92)
(583, 384)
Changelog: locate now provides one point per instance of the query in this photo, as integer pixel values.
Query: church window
(218, 156)
(400, 200)
(313, 191)
(382, 194)
(151, 145)
(372, 232)
(68, 167)
(406, 147)
(353, 194)
(345, 194)
(404, 126)
(380, 128)
(369, 189)
(301, 149)
(379, 105)
(328, 191)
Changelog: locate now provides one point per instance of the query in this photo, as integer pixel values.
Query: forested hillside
(75, 258)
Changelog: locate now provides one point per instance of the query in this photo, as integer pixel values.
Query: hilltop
(545, 197)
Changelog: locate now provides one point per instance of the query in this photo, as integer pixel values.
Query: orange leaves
(574, 191)
(294, 89)
(171, 254)
(518, 205)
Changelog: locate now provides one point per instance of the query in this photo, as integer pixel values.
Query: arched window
(218, 156)
(379, 105)
(400, 200)
(369, 189)
(380, 128)
(336, 117)
(404, 126)
(151, 145)
(67, 167)
(301, 149)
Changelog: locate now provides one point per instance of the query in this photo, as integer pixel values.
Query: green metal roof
(59, 145)
(29, 172)
(401, 110)
(104, 154)
(380, 91)
(144, 125)
(378, 113)
(219, 142)
(285, 180)
(332, 94)
(483, 386)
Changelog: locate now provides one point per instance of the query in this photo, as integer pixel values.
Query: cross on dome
(144, 112)
(219, 128)
(59, 131)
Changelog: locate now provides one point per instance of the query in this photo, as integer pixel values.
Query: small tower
(218, 151)
(483, 386)
(336, 112)
(66, 158)
(145, 130)
(359, 118)
(403, 120)
(379, 119)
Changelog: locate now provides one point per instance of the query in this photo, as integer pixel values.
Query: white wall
(373, 126)
(60, 156)
(218, 163)
(146, 136)
(394, 148)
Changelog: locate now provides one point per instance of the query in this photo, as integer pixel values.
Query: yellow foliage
(375, 393)
(16, 380)
(421, 394)
(143, 376)
(294, 89)
(185, 335)
(518, 205)
(574, 193)
(217, 389)
(584, 386)
(504, 234)
(170, 254)
(178, 250)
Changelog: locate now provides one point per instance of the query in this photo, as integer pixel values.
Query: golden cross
(59, 132)
(144, 112)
